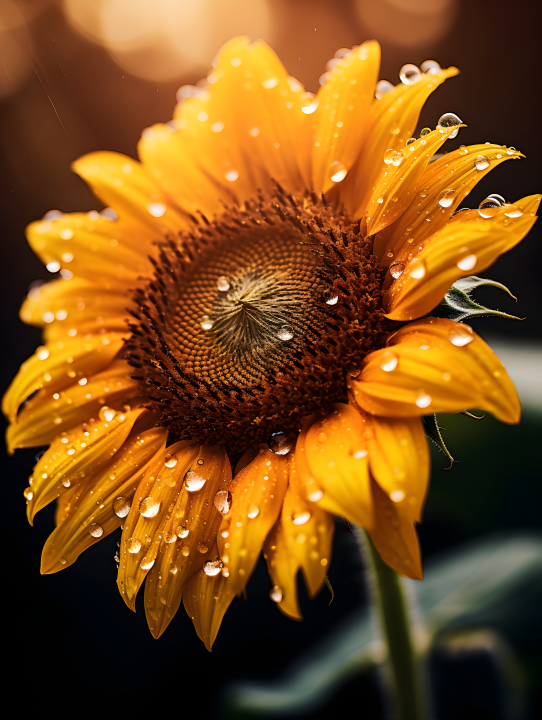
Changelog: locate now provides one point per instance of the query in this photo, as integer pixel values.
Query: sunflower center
(251, 322)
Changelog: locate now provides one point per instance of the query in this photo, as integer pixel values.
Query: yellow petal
(399, 459)
(129, 188)
(206, 599)
(392, 120)
(394, 535)
(56, 365)
(47, 414)
(282, 567)
(153, 503)
(90, 517)
(179, 558)
(335, 453)
(459, 249)
(398, 181)
(448, 180)
(308, 530)
(76, 455)
(257, 495)
(435, 365)
(342, 115)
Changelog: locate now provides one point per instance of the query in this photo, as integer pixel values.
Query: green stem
(391, 603)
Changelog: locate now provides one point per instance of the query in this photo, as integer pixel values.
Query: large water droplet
(481, 162)
(389, 361)
(446, 197)
(488, 205)
(285, 333)
(121, 507)
(467, 263)
(147, 563)
(418, 269)
(511, 151)
(300, 518)
(316, 496)
(149, 507)
(156, 209)
(338, 171)
(170, 461)
(360, 454)
(397, 269)
(170, 537)
(450, 120)
(231, 175)
(310, 103)
(383, 87)
(133, 545)
(461, 335)
(423, 400)
(393, 157)
(282, 442)
(28, 493)
(213, 567)
(397, 495)
(222, 501)
(513, 212)
(223, 284)
(206, 322)
(253, 511)
(185, 551)
(431, 67)
(202, 548)
(95, 530)
(275, 594)
(410, 74)
(194, 481)
(270, 83)
(182, 531)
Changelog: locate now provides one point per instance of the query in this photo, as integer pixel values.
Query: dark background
(69, 635)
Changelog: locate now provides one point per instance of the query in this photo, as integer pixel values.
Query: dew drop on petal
(383, 87)
(310, 103)
(423, 400)
(253, 511)
(285, 333)
(193, 481)
(270, 83)
(53, 266)
(106, 414)
(450, 120)
(389, 361)
(397, 269)
(463, 150)
(28, 493)
(316, 496)
(223, 284)
(231, 175)
(481, 162)
(301, 518)
(222, 501)
(133, 545)
(156, 209)
(425, 131)
(337, 171)
(487, 205)
(513, 212)
(206, 323)
(170, 461)
(146, 564)
(410, 141)
(185, 550)
(95, 530)
(360, 454)
(418, 270)
(511, 151)
(431, 67)
(467, 263)
(397, 495)
(461, 335)
(182, 531)
(446, 197)
(149, 507)
(213, 567)
(410, 74)
(121, 507)
(202, 548)
(275, 594)
(282, 442)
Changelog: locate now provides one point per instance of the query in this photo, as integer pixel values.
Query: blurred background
(84, 75)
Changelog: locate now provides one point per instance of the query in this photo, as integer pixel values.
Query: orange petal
(180, 556)
(282, 567)
(392, 121)
(206, 599)
(308, 531)
(85, 522)
(394, 535)
(75, 455)
(342, 115)
(399, 459)
(56, 365)
(435, 365)
(448, 180)
(48, 414)
(335, 452)
(257, 495)
(459, 249)
(398, 181)
(154, 502)
(129, 188)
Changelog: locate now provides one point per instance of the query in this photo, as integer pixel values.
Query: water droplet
(106, 414)
(28, 493)
(275, 594)
(223, 284)
(285, 333)
(487, 205)
(418, 269)
(481, 162)
(206, 322)
(182, 531)
(513, 212)
(121, 507)
(202, 548)
(149, 507)
(338, 171)
(383, 87)
(389, 361)
(397, 269)
(270, 83)
(410, 74)
(450, 120)
(431, 67)
(425, 131)
(133, 545)
(231, 175)
(397, 495)
(213, 567)
(170, 461)
(511, 151)
(95, 530)
(360, 454)
(316, 496)
(463, 150)
(310, 103)
(253, 511)
(423, 400)
(170, 537)
(446, 197)
(185, 551)
(282, 442)
(193, 481)
(467, 263)
(156, 209)
(222, 501)
(300, 518)
(410, 141)
(53, 267)
(461, 335)
(146, 563)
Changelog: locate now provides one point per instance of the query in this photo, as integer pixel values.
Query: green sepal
(432, 430)
(458, 305)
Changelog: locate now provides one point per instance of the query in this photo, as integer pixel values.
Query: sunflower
(243, 344)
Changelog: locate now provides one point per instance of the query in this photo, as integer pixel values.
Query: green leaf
(458, 305)
(432, 430)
